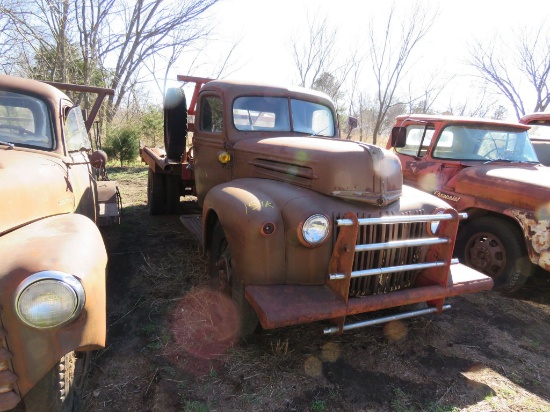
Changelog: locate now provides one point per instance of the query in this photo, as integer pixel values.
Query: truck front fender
(252, 222)
(68, 243)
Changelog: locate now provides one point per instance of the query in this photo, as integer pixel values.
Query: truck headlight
(315, 229)
(48, 299)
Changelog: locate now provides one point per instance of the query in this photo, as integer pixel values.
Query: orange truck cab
(489, 170)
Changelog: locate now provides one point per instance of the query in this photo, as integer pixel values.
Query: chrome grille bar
(385, 319)
(392, 269)
(400, 219)
(401, 243)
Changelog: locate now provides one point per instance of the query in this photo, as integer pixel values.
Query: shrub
(123, 144)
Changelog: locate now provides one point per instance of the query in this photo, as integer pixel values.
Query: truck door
(419, 170)
(209, 144)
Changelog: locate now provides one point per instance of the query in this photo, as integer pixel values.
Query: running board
(385, 319)
(193, 223)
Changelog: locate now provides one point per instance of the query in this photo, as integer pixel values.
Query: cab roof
(233, 88)
(30, 86)
(427, 118)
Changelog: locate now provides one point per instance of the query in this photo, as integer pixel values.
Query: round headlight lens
(49, 302)
(316, 229)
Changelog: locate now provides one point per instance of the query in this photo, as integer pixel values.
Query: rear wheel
(172, 193)
(62, 389)
(156, 193)
(224, 279)
(496, 248)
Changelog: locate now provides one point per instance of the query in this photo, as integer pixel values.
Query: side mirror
(398, 137)
(98, 159)
(352, 122)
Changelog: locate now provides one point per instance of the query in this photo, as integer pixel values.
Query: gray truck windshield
(276, 114)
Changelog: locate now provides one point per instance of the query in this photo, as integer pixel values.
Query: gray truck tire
(221, 260)
(496, 248)
(62, 389)
(175, 123)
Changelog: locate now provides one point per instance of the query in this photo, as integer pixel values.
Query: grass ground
(490, 352)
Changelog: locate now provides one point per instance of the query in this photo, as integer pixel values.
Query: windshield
(76, 135)
(484, 143)
(24, 121)
(539, 131)
(275, 114)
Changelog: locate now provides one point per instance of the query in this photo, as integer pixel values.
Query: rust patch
(537, 235)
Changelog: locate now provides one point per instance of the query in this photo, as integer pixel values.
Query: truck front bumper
(285, 305)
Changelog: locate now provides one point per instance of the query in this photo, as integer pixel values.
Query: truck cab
(300, 225)
(489, 170)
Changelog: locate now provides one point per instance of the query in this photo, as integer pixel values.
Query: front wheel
(496, 248)
(224, 279)
(62, 389)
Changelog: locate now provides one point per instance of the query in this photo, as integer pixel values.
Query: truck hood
(525, 186)
(334, 167)
(32, 186)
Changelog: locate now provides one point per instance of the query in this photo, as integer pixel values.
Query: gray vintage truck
(52, 270)
(301, 225)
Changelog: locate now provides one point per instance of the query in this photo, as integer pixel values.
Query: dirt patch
(488, 352)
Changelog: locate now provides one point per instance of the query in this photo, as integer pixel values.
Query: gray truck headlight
(315, 229)
(49, 299)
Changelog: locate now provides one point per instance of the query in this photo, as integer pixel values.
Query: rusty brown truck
(302, 226)
(489, 170)
(52, 270)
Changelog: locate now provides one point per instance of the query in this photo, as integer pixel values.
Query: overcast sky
(265, 27)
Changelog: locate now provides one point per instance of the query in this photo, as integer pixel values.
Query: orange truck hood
(339, 168)
(526, 187)
(32, 186)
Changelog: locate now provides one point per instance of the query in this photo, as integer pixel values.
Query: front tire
(62, 389)
(223, 278)
(496, 248)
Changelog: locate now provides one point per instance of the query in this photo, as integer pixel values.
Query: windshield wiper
(510, 161)
(11, 145)
(317, 133)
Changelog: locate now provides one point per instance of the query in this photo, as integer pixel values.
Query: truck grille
(384, 233)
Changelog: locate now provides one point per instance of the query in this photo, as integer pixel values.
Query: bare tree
(508, 66)
(317, 61)
(390, 56)
(484, 105)
(423, 96)
(314, 55)
(116, 39)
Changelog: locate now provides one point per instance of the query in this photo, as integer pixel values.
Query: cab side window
(211, 114)
(414, 137)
